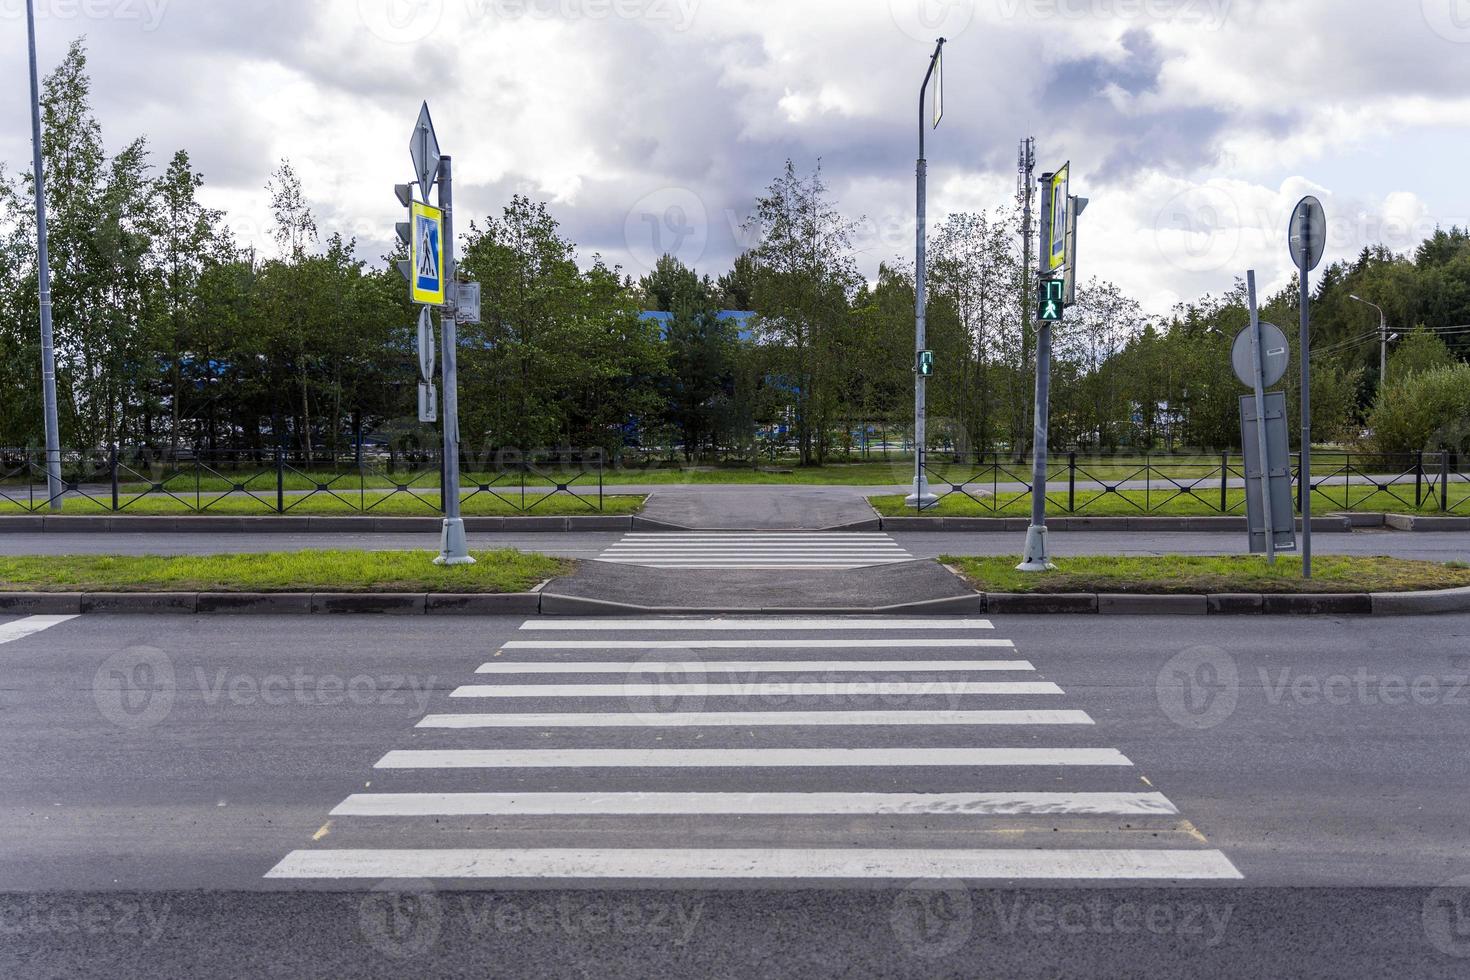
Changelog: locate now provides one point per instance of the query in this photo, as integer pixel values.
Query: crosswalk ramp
(732, 750)
(756, 550)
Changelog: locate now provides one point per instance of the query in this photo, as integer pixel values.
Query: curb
(552, 604)
(1332, 524)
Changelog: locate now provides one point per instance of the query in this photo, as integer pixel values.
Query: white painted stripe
(29, 626)
(749, 566)
(616, 625)
(751, 804)
(756, 536)
(743, 758)
(883, 643)
(773, 863)
(758, 719)
(804, 689)
(766, 666)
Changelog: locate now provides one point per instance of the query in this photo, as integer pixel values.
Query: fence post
(1444, 479)
(1224, 481)
(112, 470)
(1072, 482)
(280, 481)
(1419, 479)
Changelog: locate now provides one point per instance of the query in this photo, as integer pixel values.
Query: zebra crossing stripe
(660, 689)
(750, 804)
(846, 623)
(884, 643)
(757, 666)
(773, 863)
(19, 629)
(744, 758)
(758, 719)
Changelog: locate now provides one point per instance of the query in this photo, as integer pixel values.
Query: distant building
(743, 320)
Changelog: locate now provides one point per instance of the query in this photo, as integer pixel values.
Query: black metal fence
(288, 481)
(1213, 484)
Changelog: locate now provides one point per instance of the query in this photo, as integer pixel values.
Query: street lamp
(1382, 340)
(922, 497)
(43, 282)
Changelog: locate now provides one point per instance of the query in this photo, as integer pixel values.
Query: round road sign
(1308, 233)
(1275, 356)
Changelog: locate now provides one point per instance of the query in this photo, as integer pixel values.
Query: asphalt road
(154, 770)
(1397, 544)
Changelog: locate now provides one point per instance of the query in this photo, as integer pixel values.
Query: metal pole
(1036, 558)
(1264, 461)
(454, 547)
(1382, 349)
(1306, 355)
(921, 496)
(43, 282)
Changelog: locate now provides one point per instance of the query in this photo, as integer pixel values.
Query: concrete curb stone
(478, 604)
(1418, 603)
(260, 603)
(139, 602)
(1347, 604)
(41, 603)
(1153, 605)
(1066, 603)
(387, 603)
(1235, 604)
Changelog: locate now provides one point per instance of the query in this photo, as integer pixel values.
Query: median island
(494, 572)
(1210, 575)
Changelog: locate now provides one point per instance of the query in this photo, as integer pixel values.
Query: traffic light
(404, 193)
(925, 365)
(1051, 300)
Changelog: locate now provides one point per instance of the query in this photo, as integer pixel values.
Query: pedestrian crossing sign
(426, 255)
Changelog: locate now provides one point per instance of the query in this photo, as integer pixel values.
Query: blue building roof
(741, 318)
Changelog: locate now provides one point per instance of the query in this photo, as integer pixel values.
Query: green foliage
(1418, 352)
(1426, 411)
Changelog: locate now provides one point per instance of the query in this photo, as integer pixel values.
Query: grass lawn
(1166, 502)
(307, 571)
(344, 504)
(1190, 574)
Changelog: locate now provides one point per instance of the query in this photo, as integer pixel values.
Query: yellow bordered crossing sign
(1058, 202)
(426, 255)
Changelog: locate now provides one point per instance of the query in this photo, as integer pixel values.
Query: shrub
(1424, 411)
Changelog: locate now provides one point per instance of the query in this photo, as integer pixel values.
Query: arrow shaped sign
(423, 147)
(426, 345)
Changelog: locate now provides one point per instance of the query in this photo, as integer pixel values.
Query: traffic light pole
(453, 545)
(1036, 557)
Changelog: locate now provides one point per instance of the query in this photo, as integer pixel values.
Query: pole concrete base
(921, 497)
(1036, 556)
(454, 547)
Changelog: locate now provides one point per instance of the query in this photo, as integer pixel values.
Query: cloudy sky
(649, 125)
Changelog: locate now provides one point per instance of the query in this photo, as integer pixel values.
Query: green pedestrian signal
(1051, 301)
(926, 364)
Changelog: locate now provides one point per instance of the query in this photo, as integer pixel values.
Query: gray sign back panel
(1278, 452)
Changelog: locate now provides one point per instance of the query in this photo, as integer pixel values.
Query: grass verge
(344, 505)
(1169, 503)
(504, 570)
(1196, 574)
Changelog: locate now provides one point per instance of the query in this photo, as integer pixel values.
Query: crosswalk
(756, 550)
(884, 758)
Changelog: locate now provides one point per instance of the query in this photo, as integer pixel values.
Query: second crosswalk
(783, 749)
(756, 550)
